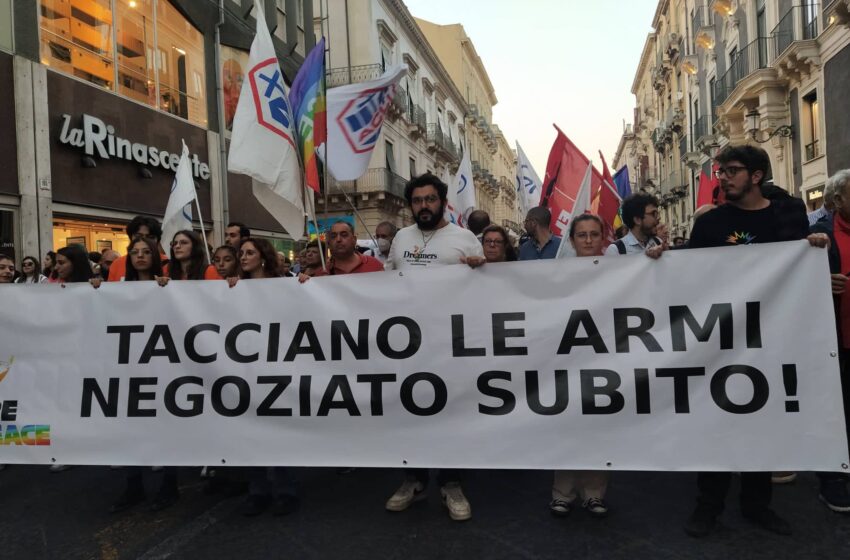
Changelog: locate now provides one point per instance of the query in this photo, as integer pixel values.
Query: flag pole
(203, 232)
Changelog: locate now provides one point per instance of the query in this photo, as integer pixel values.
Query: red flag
(719, 195)
(565, 171)
(705, 191)
(609, 202)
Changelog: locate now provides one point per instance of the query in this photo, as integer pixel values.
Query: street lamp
(785, 131)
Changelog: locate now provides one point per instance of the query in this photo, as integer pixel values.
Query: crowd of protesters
(755, 211)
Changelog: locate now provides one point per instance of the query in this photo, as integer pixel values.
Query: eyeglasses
(430, 199)
(140, 253)
(729, 172)
(493, 242)
(653, 213)
(177, 242)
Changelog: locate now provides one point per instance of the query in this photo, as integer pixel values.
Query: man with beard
(747, 217)
(541, 244)
(640, 215)
(432, 241)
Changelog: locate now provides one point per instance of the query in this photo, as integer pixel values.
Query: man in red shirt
(345, 258)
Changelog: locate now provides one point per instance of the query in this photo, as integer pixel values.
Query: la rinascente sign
(98, 138)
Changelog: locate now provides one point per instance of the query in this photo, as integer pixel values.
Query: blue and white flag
(528, 182)
(263, 143)
(461, 196)
(355, 116)
(178, 211)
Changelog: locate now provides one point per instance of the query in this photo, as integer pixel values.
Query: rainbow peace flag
(308, 100)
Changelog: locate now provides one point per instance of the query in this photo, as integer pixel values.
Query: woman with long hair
(257, 259)
(31, 272)
(48, 266)
(226, 261)
(497, 245)
(188, 259)
(144, 261)
(72, 265)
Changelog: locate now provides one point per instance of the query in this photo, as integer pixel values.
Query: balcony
(755, 56)
(796, 44)
(703, 134)
(375, 180)
(353, 74)
(398, 105)
(702, 27)
(812, 151)
(417, 125)
(673, 187)
(440, 144)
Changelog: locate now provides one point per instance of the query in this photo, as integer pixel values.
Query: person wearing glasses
(139, 226)
(640, 215)
(31, 272)
(497, 245)
(432, 241)
(755, 212)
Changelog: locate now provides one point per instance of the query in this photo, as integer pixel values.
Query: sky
(555, 61)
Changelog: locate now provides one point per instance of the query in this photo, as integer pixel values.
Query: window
(234, 63)
(157, 58)
(6, 33)
(712, 83)
(280, 30)
(412, 168)
(811, 125)
(390, 157)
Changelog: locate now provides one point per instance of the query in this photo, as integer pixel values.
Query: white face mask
(383, 245)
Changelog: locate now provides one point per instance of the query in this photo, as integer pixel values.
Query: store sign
(98, 138)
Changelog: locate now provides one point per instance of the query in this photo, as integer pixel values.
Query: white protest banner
(355, 117)
(712, 359)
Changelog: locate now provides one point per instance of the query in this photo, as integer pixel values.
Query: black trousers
(756, 491)
(444, 476)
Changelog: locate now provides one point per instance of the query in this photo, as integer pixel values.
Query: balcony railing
(800, 23)
(702, 128)
(416, 116)
(374, 180)
(441, 141)
(353, 74)
(755, 56)
(812, 150)
(683, 146)
(673, 182)
(700, 19)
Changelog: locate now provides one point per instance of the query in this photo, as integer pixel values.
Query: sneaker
(769, 521)
(456, 502)
(595, 507)
(559, 507)
(127, 500)
(284, 505)
(59, 468)
(834, 494)
(700, 523)
(410, 491)
(255, 505)
(783, 477)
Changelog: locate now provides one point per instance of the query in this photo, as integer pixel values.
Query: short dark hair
(350, 227)
(540, 215)
(425, 180)
(477, 221)
(634, 207)
(752, 157)
(139, 221)
(314, 244)
(392, 226)
(585, 218)
(5, 257)
(244, 231)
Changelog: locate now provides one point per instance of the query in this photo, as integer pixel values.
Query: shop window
(93, 236)
(7, 233)
(157, 58)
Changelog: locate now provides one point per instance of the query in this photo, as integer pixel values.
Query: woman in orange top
(188, 261)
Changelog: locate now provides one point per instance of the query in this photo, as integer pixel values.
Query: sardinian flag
(263, 143)
(355, 116)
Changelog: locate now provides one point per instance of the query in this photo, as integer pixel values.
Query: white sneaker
(456, 502)
(410, 491)
(59, 468)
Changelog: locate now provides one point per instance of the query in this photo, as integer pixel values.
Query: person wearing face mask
(384, 235)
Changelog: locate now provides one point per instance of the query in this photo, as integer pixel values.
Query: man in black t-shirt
(755, 212)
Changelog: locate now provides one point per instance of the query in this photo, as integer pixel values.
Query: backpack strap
(621, 247)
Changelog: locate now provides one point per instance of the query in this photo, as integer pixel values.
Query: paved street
(65, 516)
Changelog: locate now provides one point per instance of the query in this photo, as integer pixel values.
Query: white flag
(178, 212)
(528, 182)
(263, 143)
(580, 206)
(461, 196)
(355, 117)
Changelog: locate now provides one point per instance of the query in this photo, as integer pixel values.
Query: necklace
(426, 240)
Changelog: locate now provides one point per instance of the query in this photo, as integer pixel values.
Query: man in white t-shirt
(432, 241)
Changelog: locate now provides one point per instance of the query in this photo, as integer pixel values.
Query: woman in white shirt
(31, 272)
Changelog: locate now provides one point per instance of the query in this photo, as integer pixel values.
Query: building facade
(771, 73)
(95, 98)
